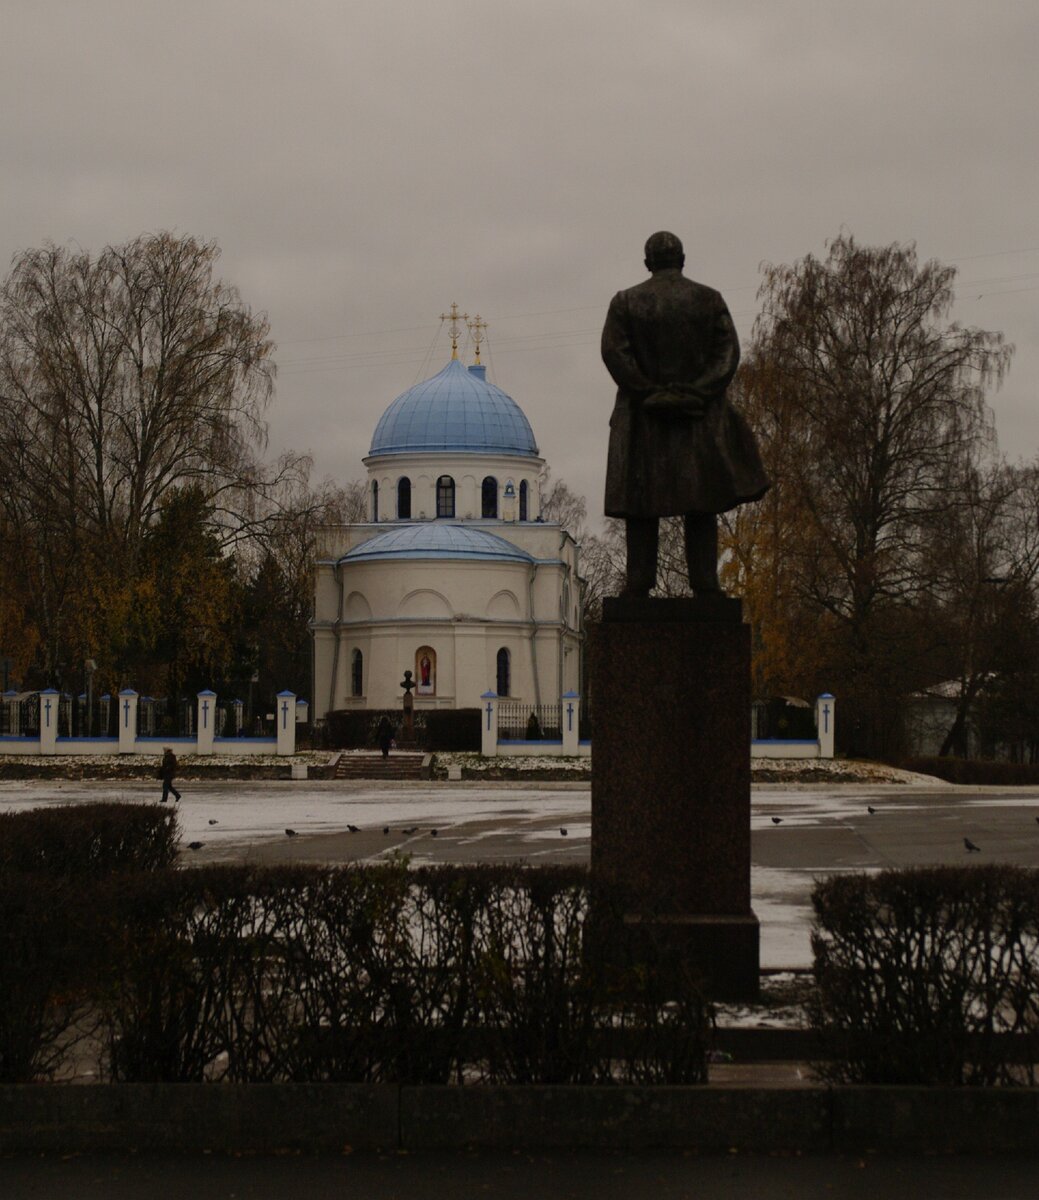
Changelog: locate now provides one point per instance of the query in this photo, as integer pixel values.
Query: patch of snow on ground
(184, 761)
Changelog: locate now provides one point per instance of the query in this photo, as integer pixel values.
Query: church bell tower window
(445, 496)
(489, 497)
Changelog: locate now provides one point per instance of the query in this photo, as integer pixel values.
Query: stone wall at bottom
(70, 1118)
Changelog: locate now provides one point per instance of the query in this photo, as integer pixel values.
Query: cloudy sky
(364, 165)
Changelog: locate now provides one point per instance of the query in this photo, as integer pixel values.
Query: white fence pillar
(489, 724)
(127, 721)
(286, 720)
(49, 721)
(205, 727)
(571, 711)
(825, 713)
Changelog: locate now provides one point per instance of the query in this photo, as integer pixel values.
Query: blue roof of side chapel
(456, 410)
(431, 540)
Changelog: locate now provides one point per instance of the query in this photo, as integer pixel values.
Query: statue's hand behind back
(678, 399)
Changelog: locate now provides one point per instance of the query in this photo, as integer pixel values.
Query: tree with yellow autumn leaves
(133, 386)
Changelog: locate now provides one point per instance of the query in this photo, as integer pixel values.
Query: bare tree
(881, 406)
(982, 563)
(601, 566)
(123, 378)
(561, 504)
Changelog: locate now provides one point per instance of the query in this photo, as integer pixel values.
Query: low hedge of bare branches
(88, 840)
(928, 976)
(52, 863)
(367, 974)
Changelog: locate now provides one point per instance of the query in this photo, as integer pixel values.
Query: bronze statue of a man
(677, 448)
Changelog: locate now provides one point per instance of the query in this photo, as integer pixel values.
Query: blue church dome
(455, 410)
(436, 541)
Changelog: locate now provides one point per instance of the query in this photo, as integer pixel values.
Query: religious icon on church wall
(426, 671)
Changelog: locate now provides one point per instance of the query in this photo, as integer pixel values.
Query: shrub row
(73, 841)
(975, 770)
(455, 729)
(435, 729)
(312, 974)
(923, 975)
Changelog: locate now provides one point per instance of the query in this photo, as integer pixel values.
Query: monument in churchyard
(407, 683)
(670, 678)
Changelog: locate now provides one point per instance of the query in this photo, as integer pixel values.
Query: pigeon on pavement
(195, 845)
(291, 833)
(777, 820)
(971, 848)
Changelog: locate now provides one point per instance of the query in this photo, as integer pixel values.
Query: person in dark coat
(677, 447)
(384, 736)
(167, 770)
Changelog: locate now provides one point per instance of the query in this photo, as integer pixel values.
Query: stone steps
(373, 766)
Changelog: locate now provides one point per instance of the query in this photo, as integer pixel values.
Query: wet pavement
(821, 828)
(516, 1176)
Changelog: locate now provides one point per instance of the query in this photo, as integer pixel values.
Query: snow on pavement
(822, 828)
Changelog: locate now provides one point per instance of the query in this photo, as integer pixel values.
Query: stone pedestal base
(670, 691)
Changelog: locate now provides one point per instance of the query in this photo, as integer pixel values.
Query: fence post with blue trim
(127, 721)
(825, 713)
(205, 727)
(285, 717)
(489, 724)
(49, 698)
(570, 709)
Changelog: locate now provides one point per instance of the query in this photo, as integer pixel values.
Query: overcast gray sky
(364, 165)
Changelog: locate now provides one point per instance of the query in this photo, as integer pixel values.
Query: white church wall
(467, 497)
(504, 605)
(423, 498)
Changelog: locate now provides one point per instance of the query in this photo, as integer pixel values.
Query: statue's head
(664, 250)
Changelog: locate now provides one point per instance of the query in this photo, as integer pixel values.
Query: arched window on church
(489, 497)
(524, 492)
(503, 679)
(404, 498)
(445, 496)
(356, 673)
(375, 499)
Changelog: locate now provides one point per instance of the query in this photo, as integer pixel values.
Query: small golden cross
(454, 316)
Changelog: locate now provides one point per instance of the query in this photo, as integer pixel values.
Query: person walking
(384, 736)
(167, 770)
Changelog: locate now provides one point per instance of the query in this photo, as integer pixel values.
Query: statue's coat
(671, 341)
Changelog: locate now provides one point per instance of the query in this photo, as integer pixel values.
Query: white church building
(455, 576)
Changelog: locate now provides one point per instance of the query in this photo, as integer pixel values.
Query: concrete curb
(313, 1117)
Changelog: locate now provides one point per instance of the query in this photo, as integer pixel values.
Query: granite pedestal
(670, 691)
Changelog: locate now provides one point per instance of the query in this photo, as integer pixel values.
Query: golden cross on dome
(454, 316)
(476, 328)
